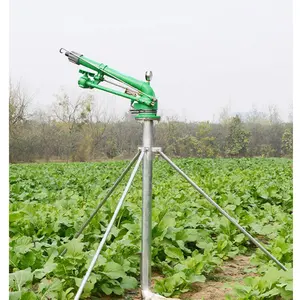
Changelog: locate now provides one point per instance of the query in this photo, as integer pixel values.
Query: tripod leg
(223, 212)
(104, 200)
(109, 227)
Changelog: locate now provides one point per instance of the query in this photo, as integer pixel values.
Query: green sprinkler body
(140, 93)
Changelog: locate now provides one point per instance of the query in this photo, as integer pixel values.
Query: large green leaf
(129, 282)
(29, 296)
(74, 247)
(50, 288)
(114, 270)
(48, 268)
(22, 244)
(174, 252)
(15, 295)
(20, 278)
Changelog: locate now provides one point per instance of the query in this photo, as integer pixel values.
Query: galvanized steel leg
(105, 199)
(223, 212)
(109, 227)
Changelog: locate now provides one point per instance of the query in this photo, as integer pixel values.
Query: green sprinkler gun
(140, 93)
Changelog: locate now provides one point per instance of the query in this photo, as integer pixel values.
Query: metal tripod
(145, 153)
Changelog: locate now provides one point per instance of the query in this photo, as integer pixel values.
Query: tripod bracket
(154, 149)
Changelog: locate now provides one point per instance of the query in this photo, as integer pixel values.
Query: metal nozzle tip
(62, 50)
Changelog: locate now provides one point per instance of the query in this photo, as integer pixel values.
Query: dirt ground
(230, 272)
(213, 289)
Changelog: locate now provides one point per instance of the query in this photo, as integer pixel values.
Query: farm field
(193, 245)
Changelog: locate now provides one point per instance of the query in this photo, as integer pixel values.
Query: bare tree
(72, 115)
(18, 106)
(274, 116)
(18, 117)
(256, 117)
(224, 117)
(97, 126)
(72, 112)
(290, 115)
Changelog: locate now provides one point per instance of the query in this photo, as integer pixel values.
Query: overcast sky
(205, 55)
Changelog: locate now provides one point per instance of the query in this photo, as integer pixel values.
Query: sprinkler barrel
(141, 94)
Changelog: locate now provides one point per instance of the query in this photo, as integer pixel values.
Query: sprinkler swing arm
(144, 106)
(140, 93)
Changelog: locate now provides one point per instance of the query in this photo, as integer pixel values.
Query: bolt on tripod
(144, 106)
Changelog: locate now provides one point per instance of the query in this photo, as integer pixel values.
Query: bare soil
(231, 272)
(214, 288)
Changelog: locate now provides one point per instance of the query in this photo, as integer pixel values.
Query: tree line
(78, 130)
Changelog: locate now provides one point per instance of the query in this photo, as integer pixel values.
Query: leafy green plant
(50, 202)
(273, 284)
